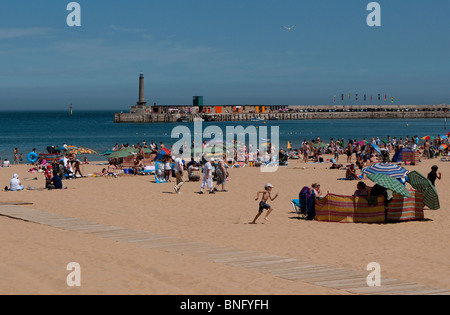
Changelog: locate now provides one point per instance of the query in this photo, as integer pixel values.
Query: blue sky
(229, 51)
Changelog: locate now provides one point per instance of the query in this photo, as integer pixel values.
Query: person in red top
(48, 175)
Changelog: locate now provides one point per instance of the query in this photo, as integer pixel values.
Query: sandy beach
(35, 256)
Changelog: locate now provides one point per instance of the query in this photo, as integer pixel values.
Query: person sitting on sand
(6, 163)
(112, 168)
(14, 184)
(262, 204)
(351, 173)
(191, 172)
(138, 164)
(361, 190)
(374, 159)
(56, 182)
(316, 190)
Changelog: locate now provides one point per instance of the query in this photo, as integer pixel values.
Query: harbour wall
(299, 113)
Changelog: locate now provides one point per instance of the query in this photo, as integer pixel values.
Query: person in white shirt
(6, 163)
(207, 177)
(178, 168)
(14, 183)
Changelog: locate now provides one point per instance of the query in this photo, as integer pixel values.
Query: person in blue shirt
(56, 182)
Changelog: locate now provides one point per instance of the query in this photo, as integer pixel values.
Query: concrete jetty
(300, 112)
(143, 113)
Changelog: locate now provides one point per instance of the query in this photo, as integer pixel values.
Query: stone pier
(290, 112)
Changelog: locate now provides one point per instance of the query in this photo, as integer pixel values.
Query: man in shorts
(263, 203)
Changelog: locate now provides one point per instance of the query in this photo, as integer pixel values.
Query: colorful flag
(392, 99)
(385, 98)
(379, 97)
(342, 97)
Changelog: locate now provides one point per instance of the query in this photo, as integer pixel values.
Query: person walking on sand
(207, 176)
(221, 175)
(178, 169)
(262, 204)
(434, 174)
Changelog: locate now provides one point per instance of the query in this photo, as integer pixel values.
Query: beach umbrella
(107, 152)
(82, 150)
(376, 148)
(392, 170)
(125, 152)
(321, 145)
(423, 184)
(289, 145)
(391, 183)
(428, 138)
(443, 137)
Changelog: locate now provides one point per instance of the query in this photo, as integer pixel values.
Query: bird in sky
(289, 28)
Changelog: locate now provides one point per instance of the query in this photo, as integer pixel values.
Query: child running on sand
(262, 204)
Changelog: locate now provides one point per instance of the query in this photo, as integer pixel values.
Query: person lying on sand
(262, 204)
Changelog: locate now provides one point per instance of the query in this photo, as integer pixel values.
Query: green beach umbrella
(126, 152)
(430, 194)
(321, 145)
(391, 183)
(107, 152)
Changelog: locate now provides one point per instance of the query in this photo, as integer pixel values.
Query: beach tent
(398, 157)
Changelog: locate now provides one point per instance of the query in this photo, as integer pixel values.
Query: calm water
(96, 130)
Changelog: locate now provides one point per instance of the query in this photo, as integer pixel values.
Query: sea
(96, 130)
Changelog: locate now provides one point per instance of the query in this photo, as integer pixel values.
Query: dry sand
(34, 257)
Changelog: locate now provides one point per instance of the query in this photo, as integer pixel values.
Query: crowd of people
(357, 153)
(364, 150)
